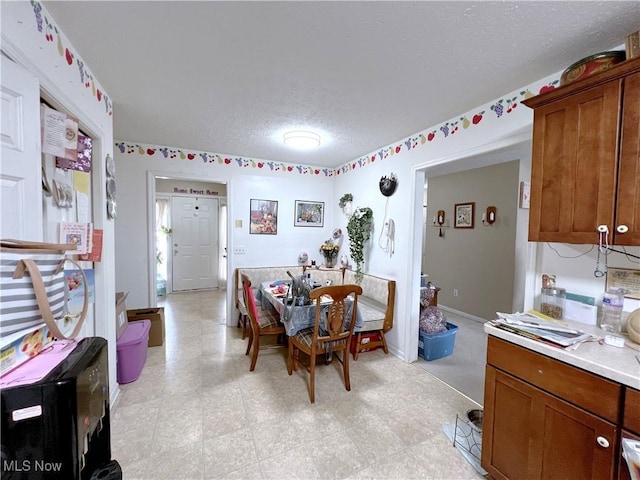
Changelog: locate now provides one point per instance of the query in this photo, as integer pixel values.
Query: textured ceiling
(231, 77)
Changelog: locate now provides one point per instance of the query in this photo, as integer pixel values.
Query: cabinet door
(574, 165)
(531, 434)
(628, 207)
(507, 426)
(575, 444)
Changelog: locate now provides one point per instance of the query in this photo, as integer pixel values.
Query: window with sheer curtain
(162, 230)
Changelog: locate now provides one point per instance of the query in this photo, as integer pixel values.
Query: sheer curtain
(162, 230)
(222, 270)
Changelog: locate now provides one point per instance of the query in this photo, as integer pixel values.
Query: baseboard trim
(463, 314)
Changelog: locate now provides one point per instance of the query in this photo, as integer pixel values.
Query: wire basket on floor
(468, 437)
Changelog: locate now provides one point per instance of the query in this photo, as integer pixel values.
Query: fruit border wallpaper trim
(49, 29)
(500, 108)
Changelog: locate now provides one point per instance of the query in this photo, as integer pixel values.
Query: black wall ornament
(388, 185)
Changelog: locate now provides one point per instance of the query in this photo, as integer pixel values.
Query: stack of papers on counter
(538, 328)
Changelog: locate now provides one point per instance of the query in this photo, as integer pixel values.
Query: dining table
(295, 317)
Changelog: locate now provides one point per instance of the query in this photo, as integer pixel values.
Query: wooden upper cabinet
(628, 206)
(585, 168)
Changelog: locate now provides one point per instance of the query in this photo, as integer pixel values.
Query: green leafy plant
(347, 197)
(359, 230)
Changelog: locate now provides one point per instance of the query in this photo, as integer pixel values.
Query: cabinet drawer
(593, 393)
(631, 419)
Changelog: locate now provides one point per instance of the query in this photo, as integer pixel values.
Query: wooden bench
(257, 276)
(376, 305)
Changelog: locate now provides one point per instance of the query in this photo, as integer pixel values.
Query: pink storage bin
(132, 350)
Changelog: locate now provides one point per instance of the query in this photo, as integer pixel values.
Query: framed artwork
(464, 213)
(625, 278)
(308, 214)
(263, 217)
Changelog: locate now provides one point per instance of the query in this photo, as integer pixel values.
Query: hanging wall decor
(464, 213)
(308, 214)
(263, 217)
(111, 186)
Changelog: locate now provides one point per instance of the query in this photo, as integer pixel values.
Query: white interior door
(194, 243)
(20, 164)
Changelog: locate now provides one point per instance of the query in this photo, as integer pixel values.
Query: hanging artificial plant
(346, 198)
(359, 230)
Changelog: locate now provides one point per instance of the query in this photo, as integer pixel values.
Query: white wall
(71, 87)
(499, 128)
(501, 136)
(477, 262)
(244, 182)
(465, 141)
(574, 266)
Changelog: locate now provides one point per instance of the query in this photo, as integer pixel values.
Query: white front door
(194, 240)
(20, 164)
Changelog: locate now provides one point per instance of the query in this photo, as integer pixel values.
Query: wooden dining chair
(263, 322)
(243, 316)
(331, 332)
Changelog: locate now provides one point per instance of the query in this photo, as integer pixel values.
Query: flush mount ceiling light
(302, 139)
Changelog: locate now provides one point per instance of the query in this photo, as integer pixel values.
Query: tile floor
(196, 412)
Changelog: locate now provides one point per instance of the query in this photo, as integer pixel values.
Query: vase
(329, 262)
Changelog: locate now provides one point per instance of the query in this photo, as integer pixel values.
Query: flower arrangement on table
(329, 251)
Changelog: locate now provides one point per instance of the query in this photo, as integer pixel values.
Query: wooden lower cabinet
(630, 428)
(530, 434)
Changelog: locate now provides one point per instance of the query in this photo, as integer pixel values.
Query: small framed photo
(308, 214)
(263, 217)
(464, 214)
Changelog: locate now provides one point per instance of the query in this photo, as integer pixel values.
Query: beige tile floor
(196, 412)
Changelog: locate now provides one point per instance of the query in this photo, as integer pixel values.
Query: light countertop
(614, 363)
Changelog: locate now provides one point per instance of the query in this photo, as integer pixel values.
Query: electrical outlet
(455, 292)
(240, 250)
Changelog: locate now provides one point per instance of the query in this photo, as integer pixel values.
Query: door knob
(622, 229)
(603, 442)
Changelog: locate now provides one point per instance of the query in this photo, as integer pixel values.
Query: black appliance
(58, 428)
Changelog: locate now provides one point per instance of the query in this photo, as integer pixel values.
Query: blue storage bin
(437, 345)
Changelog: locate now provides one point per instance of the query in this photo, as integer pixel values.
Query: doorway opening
(461, 274)
(188, 234)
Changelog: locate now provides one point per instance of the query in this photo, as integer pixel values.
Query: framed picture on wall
(308, 214)
(263, 217)
(463, 214)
